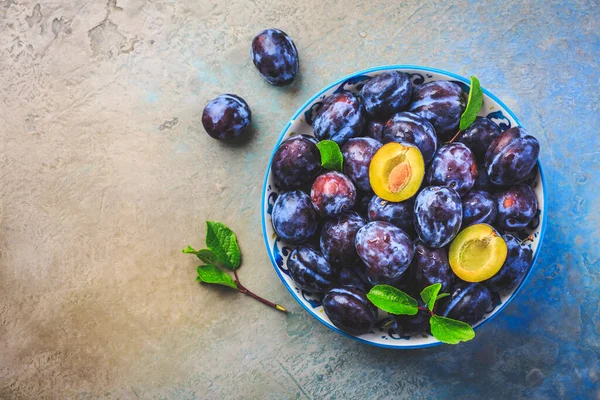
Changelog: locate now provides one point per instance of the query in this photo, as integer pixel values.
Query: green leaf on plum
(429, 294)
(473, 104)
(450, 331)
(392, 300)
(331, 155)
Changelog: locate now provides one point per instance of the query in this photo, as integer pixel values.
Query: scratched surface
(106, 174)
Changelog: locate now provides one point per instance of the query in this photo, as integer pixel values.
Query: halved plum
(396, 171)
(477, 253)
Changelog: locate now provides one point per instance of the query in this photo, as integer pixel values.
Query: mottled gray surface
(106, 174)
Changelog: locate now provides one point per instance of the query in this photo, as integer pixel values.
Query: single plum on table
(478, 136)
(517, 206)
(275, 57)
(511, 156)
(386, 250)
(454, 166)
(297, 162)
(349, 309)
(479, 207)
(226, 117)
(412, 128)
(340, 117)
(437, 215)
(358, 153)
(386, 94)
(442, 103)
(338, 237)
(332, 193)
(293, 217)
(310, 270)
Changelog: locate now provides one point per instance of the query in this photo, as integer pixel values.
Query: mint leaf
(223, 243)
(450, 331)
(441, 296)
(473, 104)
(392, 300)
(331, 155)
(212, 274)
(429, 294)
(205, 255)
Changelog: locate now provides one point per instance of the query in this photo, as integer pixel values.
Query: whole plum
(399, 214)
(454, 166)
(386, 250)
(478, 136)
(431, 266)
(356, 276)
(293, 217)
(349, 309)
(515, 266)
(516, 207)
(410, 325)
(332, 193)
(437, 215)
(412, 128)
(386, 94)
(226, 117)
(310, 270)
(479, 207)
(338, 237)
(442, 103)
(358, 153)
(296, 162)
(341, 117)
(511, 156)
(275, 57)
(374, 130)
(468, 302)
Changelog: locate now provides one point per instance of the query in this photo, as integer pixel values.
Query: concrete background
(107, 174)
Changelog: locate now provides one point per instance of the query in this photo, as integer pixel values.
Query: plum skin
(275, 56)
(386, 250)
(296, 162)
(226, 117)
(386, 94)
(478, 136)
(412, 128)
(437, 215)
(310, 270)
(517, 206)
(340, 117)
(338, 237)
(453, 165)
(468, 302)
(511, 156)
(332, 193)
(358, 153)
(515, 267)
(399, 214)
(431, 266)
(293, 217)
(349, 309)
(479, 207)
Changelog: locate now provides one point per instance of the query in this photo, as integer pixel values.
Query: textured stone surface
(106, 174)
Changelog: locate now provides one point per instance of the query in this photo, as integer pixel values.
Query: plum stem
(527, 239)
(244, 290)
(455, 136)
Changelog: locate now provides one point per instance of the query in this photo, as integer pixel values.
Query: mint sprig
(223, 253)
(395, 301)
(331, 155)
(473, 104)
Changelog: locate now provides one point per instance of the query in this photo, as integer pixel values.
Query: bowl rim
(266, 182)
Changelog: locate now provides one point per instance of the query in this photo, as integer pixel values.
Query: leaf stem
(426, 309)
(244, 290)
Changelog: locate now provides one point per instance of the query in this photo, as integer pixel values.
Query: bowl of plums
(403, 206)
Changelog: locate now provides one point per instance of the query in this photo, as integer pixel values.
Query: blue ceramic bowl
(278, 250)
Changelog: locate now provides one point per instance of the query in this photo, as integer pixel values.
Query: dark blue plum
(341, 117)
(226, 117)
(532, 177)
(468, 302)
(310, 270)
(478, 136)
(482, 182)
(338, 236)
(511, 156)
(386, 250)
(294, 218)
(332, 193)
(514, 269)
(362, 201)
(437, 215)
(410, 325)
(349, 309)
(442, 103)
(516, 207)
(358, 153)
(479, 207)
(386, 94)
(412, 128)
(399, 214)
(431, 266)
(374, 130)
(275, 57)
(454, 166)
(355, 276)
(296, 163)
